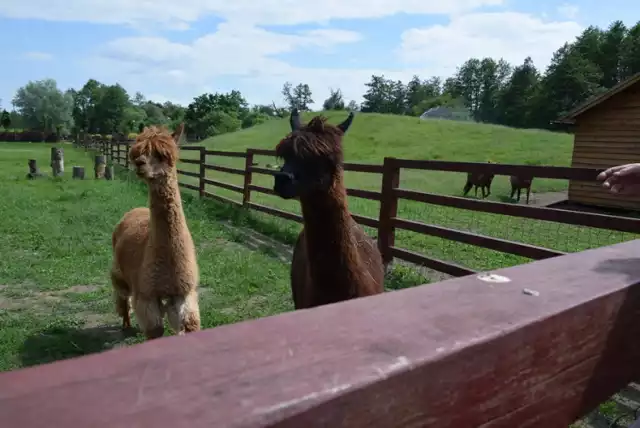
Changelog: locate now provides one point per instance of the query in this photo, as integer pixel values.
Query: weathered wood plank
(459, 353)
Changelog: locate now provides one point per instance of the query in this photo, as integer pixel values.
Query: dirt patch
(82, 289)
(256, 241)
(35, 301)
(41, 300)
(544, 199)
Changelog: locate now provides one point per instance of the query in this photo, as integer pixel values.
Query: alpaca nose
(282, 176)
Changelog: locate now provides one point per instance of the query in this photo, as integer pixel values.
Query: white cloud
(177, 14)
(509, 35)
(237, 50)
(248, 54)
(38, 56)
(569, 11)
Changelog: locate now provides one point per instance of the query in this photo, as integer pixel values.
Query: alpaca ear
(347, 123)
(294, 120)
(177, 134)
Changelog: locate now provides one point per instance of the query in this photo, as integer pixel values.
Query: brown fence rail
(460, 353)
(391, 193)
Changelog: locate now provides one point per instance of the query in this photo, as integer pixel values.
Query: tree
(611, 54)
(630, 52)
(5, 120)
(111, 110)
(353, 106)
(85, 102)
(297, 97)
(570, 79)
(44, 107)
(335, 100)
(515, 102)
(384, 96)
(213, 114)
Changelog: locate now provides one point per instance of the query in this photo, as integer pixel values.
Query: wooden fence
(467, 352)
(391, 193)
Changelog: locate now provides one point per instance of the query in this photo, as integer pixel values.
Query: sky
(176, 50)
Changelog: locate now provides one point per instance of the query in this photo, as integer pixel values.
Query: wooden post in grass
(34, 172)
(203, 171)
(78, 172)
(109, 172)
(99, 166)
(57, 161)
(388, 209)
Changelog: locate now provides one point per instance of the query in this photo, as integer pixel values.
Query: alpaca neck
(334, 261)
(165, 204)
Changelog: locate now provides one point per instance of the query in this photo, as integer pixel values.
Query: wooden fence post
(248, 175)
(388, 209)
(203, 170)
(126, 153)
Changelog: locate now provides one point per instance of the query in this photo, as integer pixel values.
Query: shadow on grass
(58, 343)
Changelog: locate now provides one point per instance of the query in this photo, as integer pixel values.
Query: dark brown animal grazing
(520, 182)
(479, 179)
(333, 260)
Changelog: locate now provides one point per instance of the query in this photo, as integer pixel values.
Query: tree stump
(99, 166)
(109, 173)
(78, 172)
(57, 161)
(34, 172)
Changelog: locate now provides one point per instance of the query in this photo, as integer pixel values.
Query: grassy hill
(374, 136)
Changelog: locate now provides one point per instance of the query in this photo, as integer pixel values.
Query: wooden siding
(605, 136)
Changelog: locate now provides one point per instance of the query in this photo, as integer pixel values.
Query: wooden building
(607, 133)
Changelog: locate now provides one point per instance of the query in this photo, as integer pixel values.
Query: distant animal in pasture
(519, 182)
(154, 258)
(482, 180)
(334, 259)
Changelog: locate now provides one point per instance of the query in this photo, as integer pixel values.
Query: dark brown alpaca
(479, 179)
(333, 260)
(520, 182)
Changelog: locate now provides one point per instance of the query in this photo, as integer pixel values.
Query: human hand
(622, 179)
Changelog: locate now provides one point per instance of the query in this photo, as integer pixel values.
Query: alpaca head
(155, 152)
(312, 155)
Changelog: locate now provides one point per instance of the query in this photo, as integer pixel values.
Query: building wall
(605, 136)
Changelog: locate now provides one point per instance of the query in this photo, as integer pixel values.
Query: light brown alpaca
(479, 179)
(333, 260)
(519, 182)
(154, 259)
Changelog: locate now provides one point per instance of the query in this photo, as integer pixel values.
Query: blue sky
(172, 51)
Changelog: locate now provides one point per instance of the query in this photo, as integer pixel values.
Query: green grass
(374, 136)
(55, 295)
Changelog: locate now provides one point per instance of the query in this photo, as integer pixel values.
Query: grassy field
(374, 136)
(55, 295)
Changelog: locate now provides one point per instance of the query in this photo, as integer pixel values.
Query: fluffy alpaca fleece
(333, 260)
(154, 258)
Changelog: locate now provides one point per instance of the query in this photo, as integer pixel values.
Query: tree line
(482, 89)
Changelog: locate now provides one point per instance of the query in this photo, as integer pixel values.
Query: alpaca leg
(528, 192)
(121, 293)
(149, 313)
(513, 192)
(184, 313)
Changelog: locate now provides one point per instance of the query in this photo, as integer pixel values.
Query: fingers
(609, 172)
(620, 171)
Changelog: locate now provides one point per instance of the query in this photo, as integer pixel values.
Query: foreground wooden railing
(540, 348)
